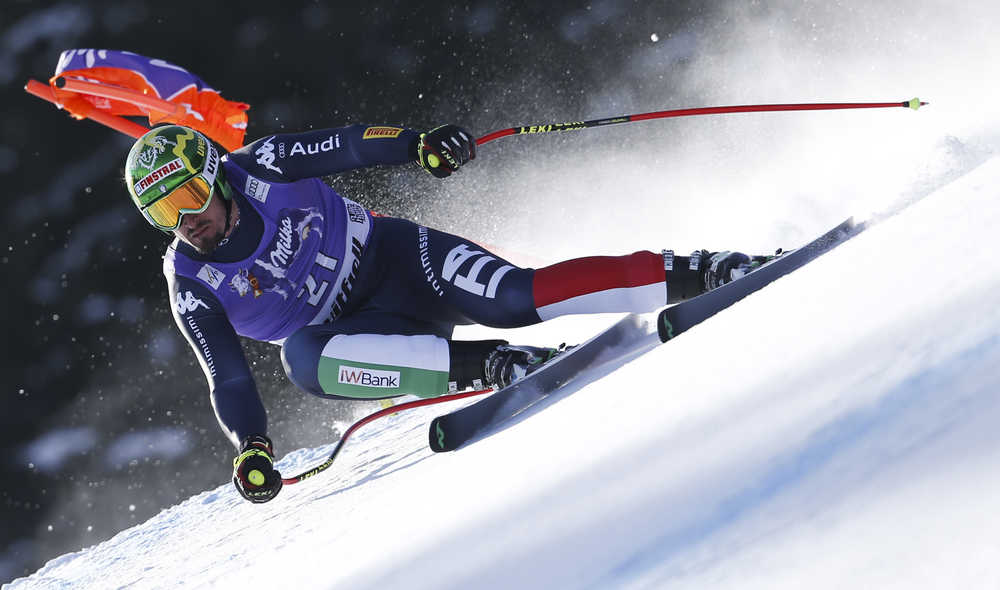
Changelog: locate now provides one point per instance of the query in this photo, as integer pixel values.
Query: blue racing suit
(362, 305)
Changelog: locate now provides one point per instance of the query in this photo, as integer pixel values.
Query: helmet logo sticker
(159, 174)
(211, 165)
(148, 156)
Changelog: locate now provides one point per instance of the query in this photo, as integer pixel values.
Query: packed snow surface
(836, 430)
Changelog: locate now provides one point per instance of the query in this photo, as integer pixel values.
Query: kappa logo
(470, 280)
(187, 303)
(212, 276)
(368, 377)
(265, 155)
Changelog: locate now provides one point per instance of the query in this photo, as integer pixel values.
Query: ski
(677, 319)
(631, 336)
(449, 431)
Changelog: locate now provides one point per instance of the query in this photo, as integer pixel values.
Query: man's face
(203, 231)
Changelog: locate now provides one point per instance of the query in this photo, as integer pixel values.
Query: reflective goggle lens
(191, 197)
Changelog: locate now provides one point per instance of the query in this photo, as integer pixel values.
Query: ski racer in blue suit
(363, 306)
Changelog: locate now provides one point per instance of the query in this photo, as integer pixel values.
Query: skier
(363, 306)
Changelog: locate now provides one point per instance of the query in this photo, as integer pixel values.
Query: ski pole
(914, 104)
(383, 412)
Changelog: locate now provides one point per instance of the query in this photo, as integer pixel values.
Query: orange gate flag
(128, 84)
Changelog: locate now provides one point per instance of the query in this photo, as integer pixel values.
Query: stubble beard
(208, 242)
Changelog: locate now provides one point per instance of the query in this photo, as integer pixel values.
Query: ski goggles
(193, 196)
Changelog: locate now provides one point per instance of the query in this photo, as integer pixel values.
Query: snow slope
(837, 429)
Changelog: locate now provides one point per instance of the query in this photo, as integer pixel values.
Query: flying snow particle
(654, 37)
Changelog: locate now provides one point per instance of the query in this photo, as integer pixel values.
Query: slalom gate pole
(914, 104)
(383, 412)
(143, 101)
(85, 109)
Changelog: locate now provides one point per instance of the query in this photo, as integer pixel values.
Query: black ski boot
(719, 268)
(507, 363)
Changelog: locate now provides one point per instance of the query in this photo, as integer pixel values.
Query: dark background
(106, 418)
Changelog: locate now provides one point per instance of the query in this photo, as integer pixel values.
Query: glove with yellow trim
(442, 150)
(254, 474)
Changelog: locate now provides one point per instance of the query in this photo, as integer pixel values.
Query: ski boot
(507, 363)
(719, 268)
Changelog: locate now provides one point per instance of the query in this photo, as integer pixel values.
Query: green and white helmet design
(165, 158)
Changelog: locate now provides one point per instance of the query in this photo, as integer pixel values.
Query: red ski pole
(914, 104)
(383, 412)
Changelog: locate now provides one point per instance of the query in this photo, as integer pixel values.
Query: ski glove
(254, 474)
(442, 150)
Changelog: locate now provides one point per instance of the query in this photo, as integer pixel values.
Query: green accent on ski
(668, 327)
(914, 103)
(440, 433)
